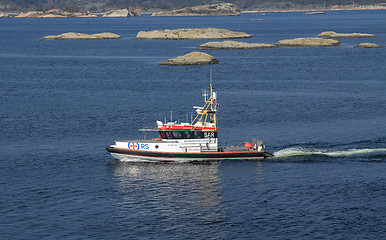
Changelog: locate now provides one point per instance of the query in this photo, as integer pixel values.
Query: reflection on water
(169, 197)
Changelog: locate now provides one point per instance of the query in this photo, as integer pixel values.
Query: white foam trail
(356, 152)
(292, 152)
(124, 158)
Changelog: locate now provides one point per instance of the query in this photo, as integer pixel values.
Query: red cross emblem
(133, 146)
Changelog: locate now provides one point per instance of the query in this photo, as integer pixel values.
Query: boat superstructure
(194, 141)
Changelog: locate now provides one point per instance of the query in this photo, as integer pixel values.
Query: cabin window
(177, 134)
(163, 135)
(189, 134)
(169, 135)
(198, 134)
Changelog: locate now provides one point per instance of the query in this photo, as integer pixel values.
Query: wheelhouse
(187, 134)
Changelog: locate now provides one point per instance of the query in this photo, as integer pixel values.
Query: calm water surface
(321, 111)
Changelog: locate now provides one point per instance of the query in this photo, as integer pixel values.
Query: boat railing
(243, 146)
(149, 129)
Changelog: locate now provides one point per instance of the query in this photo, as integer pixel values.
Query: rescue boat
(194, 141)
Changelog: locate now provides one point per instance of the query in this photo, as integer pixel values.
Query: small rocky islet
(233, 45)
(193, 58)
(368, 45)
(296, 42)
(192, 34)
(81, 36)
(307, 42)
(332, 34)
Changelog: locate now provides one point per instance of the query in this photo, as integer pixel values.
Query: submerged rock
(234, 45)
(307, 42)
(192, 34)
(368, 45)
(81, 36)
(193, 58)
(219, 9)
(121, 13)
(331, 34)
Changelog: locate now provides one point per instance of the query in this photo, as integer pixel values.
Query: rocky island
(233, 45)
(193, 58)
(368, 45)
(331, 34)
(219, 9)
(192, 34)
(81, 36)
(307, 42)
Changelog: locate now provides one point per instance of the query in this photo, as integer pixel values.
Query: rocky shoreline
(53, 13)
(57, 13)
(121, 13)
(288, 7)
(5, 15)
(219, 9)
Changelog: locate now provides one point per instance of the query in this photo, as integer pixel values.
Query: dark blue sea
(321, 111)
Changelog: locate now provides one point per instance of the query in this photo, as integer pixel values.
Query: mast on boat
(206, 115)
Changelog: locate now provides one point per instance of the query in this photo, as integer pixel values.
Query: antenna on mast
(210, 76)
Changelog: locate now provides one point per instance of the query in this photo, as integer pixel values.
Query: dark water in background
(322, 112)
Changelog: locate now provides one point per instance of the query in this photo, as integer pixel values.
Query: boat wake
(299, 151)
(126, 159)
